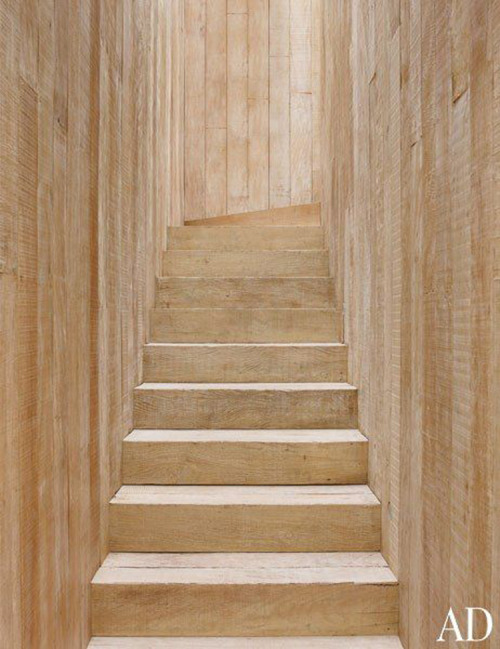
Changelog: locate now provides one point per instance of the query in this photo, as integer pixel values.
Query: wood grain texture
(246, 597)
(82, 219)
(244, 519)
(245, 457)
(249, 67)
(307, 215)
(412, 209)
(279, 263)
(242, 325)
(245, 405)
(244, 292)
(246, 238)
(264, 363)
(367, 642)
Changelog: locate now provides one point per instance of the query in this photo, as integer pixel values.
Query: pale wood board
(264, 363)
(245, 292)
(249, 405)
(308, 215)
(245, 457)
(242, 325)
(278, 263)
(358, 642)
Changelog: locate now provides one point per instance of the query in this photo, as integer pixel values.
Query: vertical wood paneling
(260, 132)
(237, 112)
(195, 114)
(216, 95)
(81, 230)
(258, 105)
(410, 156)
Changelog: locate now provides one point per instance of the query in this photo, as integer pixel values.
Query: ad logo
(452, 630)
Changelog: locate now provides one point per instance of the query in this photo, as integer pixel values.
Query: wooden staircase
(245, 519)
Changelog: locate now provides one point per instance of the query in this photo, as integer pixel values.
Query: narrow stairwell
(245, 519)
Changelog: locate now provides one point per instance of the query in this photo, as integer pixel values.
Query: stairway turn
(245, 519)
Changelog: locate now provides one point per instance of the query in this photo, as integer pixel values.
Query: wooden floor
(244, 519)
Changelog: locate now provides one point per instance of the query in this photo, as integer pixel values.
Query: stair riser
(181, 263)
(232, 409)
(243, 325)
(223, 463)
(245, 364)
(231, 238)
(244, 292)
(244, 528)
(245, 610)
(296, 215)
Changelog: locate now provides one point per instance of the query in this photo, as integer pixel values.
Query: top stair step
(231, 238)
(301, 215)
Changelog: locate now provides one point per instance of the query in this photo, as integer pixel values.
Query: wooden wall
(83, 180)
(413, 202)
(252, 104)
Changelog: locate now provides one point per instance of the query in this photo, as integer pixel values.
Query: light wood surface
(232, 238)
(244, 519)
(296, 215)
(228, 363)
(279, 263)
(367, 642)
(250, 405)
(248, 93)
(245, 457)
(413, 221)
(245, 292)
(242, 325)
(82, 219)
(144, 594)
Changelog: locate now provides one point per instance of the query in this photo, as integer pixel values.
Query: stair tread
(244, 568)
(258, 436)
(284, 387)
(351, 642)
(246, 495)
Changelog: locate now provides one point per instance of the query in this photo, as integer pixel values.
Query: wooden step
(243, 325)
(231, 238)
(351, 642)
(245, 292)
(239, 457)
(277, 263)
(263, 363)
(245, 405)
(158, 518)
(244, 595)
(301, 215)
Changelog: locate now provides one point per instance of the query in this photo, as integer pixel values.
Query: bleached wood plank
(195, 114)
(276, 263)
(352, 642)
(300, 46)
(297, 215)
(249, 405)
(358, 587)
(244, 457)
(301, 137)
(237, 112)
(244, 519)
(216, 64)
(279, 132)
(245, 362)
(245, 292)
(246, 238)
(243, 325)
(216, 171)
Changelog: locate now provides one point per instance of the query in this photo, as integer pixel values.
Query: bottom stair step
(315, 594)
(366, 642)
